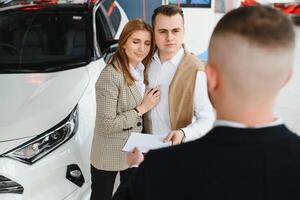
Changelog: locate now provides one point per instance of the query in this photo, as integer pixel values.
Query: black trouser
(103, 183)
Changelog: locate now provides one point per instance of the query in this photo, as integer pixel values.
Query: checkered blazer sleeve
(108, 88)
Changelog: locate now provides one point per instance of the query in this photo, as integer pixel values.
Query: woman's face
(137, 46)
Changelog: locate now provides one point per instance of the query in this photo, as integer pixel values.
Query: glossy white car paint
(123, 22)
(45, 98)
(31, 104)
(45, 179)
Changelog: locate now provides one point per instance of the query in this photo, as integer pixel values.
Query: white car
(51, 54)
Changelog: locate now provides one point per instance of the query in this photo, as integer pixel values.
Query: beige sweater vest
(181, 93)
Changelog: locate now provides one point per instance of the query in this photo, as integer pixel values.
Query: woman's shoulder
(111, 72)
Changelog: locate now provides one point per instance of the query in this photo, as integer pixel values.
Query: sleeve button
(139, 124)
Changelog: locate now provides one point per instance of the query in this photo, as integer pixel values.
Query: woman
(121, 102)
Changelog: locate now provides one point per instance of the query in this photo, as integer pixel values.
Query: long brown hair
(120, 56)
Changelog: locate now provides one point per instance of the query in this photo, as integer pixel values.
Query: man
(184, 111)
(249, 154)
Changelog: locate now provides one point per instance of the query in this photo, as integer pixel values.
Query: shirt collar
(140, 67)
(233, 124)
(174, 60)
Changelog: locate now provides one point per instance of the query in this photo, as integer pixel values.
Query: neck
(163, 57)
(134, 64)
(250, 115)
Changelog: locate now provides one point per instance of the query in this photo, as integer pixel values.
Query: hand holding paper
(135, 158)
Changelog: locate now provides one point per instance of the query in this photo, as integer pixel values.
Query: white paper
(145, 142)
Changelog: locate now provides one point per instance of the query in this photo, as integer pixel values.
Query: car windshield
(36, 40)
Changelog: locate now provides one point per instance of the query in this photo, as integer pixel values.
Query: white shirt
(233, 124)
(162, 74)
(138, 74)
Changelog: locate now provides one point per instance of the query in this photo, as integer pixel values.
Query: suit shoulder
(110, 73)
(109, 78)
(295, 139)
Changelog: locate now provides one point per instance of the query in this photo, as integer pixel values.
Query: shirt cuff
(184, 135)
(187, 134)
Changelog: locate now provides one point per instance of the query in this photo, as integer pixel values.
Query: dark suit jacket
(227, 163)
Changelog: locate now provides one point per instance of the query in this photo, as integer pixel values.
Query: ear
(212, 78)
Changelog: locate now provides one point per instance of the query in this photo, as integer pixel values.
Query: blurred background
(200, 18)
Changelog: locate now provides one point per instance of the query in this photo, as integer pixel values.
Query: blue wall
(135, 8)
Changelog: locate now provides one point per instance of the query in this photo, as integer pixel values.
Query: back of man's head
(252, 48)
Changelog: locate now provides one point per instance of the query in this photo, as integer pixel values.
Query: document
(145, 142)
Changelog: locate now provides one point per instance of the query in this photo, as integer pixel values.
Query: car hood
(30, 104)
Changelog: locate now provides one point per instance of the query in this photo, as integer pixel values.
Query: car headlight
(43, 144)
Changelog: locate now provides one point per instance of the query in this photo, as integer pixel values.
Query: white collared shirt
(234, 124)
(138, 74)
(162, 74)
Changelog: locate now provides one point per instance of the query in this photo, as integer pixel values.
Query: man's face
(168, 33)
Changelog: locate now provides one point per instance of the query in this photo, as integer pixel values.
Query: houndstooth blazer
(115, 119)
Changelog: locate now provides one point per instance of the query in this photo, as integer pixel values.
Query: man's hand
(135, 157)
(175, 137)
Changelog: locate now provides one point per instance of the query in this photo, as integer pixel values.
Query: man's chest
(161, 75)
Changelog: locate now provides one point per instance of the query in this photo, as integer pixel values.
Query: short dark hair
(168, 10)
(260, 24)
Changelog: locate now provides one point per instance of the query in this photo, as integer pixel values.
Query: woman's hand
(151, 98)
